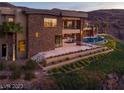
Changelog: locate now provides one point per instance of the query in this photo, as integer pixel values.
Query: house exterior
(43, 30)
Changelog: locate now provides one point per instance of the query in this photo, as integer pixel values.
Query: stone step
(74, 60)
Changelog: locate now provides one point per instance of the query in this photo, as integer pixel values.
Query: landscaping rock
(111, 81)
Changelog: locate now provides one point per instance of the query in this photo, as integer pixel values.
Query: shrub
(72, 66)
(16, 74)
(54, 70)
(111, 44)
(13, 66)
(3, 77)
(76, 81)
(119, 70)
(81, 63)
(62, 70)
(43, 63)
(31, 65)
(78, 65)
(29, 75)
(66, 67)
(16, 70)
(3, 65)
(92, 84)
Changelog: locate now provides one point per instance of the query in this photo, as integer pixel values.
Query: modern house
(43, 30)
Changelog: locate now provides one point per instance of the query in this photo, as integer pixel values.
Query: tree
(14, 28)
(97, 25)
(106, 25)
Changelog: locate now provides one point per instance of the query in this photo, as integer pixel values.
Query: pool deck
(62, 50)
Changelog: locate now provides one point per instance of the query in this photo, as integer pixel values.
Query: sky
(81, 6)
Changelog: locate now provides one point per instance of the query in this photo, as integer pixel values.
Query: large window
(71, 24)
(10, 19)
(50, 22)
(58, 40)
(21, 46)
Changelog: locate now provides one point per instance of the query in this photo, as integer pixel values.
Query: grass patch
(92, 74)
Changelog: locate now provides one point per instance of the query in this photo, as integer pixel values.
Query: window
(36, 34)
(22, 46)
(10, 19)
(58, 40)
(68, 24)
(50, 22)
(71, 24)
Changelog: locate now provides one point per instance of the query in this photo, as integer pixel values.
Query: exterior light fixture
(37, 34)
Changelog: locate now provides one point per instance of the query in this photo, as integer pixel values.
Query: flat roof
(41, 11)
(54, 12)
(58, 12)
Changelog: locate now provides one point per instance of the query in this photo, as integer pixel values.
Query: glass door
(4, 50)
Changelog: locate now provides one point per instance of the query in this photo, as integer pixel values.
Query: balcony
(70, 31)
(71, 24)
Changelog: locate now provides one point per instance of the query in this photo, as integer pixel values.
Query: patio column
(14, 47)
(13, 59)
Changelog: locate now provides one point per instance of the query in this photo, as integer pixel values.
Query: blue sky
(83, 6)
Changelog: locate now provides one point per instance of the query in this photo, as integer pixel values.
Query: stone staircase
(73, 57)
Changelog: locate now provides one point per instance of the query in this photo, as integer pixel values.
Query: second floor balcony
(71, 24)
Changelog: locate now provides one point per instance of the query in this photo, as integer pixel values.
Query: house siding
(46, 39)
(33, 22)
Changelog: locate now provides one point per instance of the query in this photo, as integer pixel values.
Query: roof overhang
(58, 12)
(74, 14)
(41, 11)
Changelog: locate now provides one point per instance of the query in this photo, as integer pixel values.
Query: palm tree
(106, 25)
(13, 28)
(97, 25)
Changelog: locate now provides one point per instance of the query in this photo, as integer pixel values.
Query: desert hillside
(110, 21)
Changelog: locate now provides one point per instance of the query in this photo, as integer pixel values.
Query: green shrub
(82, 63)
(119, 70)
(43, 63)
(13, 66)
(111, 44)
(78, 65)
(16, 70)
(29, 75)
(3, 65)
(62, 70)
(31, 65)
(16, 74)
(54, 70)
(66, 67)
(76, 81)
(73, 66)
(92, 84)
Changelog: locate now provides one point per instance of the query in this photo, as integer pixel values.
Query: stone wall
(46, 39)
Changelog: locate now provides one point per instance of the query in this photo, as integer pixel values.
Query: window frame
(20, 46)
(49, 23)
(9, 19)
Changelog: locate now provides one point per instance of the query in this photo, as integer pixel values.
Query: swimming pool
(97, 39)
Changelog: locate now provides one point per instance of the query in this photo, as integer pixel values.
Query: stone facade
(37, 37)
(46, 39)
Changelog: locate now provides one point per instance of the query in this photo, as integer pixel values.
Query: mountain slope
(113, 18)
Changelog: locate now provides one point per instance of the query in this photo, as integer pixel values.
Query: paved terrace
(61, 51)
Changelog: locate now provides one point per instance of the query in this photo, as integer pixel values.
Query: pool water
(94, 39)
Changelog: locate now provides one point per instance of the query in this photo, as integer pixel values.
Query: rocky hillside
(109, 21)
